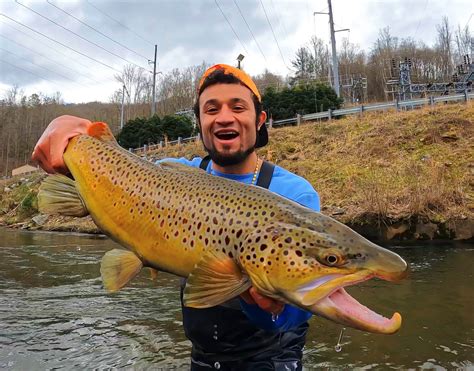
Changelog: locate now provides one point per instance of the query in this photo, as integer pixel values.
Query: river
(54, 313)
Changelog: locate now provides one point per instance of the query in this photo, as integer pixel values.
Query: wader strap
(205, 161)
(264, 177)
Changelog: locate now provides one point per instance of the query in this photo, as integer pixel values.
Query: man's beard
(228, 159)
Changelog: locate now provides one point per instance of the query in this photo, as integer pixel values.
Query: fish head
(309, 264)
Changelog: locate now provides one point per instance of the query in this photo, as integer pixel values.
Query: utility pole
(124, 89)
(335, 63)
(153, 108)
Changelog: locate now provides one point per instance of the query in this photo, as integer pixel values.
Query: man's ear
(262, 118)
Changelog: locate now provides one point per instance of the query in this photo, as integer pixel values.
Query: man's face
(228, 122)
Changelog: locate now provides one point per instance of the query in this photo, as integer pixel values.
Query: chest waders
(223, 337)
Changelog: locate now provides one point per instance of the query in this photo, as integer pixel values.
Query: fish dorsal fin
(213, 281)
(101, 131)
(118, 267)
(58, 195)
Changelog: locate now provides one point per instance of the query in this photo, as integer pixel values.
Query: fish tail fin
(101, 131)
(58, 195)
(118, 267)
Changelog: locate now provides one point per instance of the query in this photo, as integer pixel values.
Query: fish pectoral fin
(118, 267)
(213, 281)
(58, 195)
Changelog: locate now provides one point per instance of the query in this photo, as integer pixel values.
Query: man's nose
(225, 115)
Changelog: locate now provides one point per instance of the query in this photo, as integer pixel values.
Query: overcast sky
(188, 32)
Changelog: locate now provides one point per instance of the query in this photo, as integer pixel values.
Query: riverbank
(394, 175)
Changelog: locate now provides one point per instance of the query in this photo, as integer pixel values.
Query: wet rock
(6, 189)
(425, 231)
(395, 230)
(40, 219)
(463, 229)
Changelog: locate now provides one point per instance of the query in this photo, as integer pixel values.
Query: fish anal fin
(58, 195)
(101, 131)
(118, 267)
(213, 281)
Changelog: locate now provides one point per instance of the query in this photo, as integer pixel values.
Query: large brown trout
(223, 236)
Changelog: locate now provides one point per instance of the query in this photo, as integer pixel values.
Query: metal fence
(329, 114)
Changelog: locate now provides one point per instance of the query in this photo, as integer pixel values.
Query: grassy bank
(388, 175)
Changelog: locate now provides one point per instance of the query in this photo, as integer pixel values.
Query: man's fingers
(247, 297)
(39, 157)
(267, 304)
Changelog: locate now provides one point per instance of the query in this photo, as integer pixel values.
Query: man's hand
(50, 148)
(251, 296)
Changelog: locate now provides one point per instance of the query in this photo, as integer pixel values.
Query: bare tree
(444, 47)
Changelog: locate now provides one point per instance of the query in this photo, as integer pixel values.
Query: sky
(80, 59)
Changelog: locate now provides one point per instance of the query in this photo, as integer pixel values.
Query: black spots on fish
(286, 252)
(206, 241)
(247, 257)
(299, 253)
(263, 247)
(288, 240)
(262, 259)
(272, 251)
(239, 233)
(214, 220)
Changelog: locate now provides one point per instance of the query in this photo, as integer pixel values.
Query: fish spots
(263, 247)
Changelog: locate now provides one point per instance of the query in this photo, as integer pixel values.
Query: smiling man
(252, 332)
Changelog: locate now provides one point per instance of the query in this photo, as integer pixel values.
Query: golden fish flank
(223, 235)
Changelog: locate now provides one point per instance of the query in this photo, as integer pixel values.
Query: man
(252, 332)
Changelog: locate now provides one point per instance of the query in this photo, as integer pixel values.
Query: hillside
(407, 175)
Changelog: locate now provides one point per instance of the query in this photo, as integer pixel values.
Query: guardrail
(329, 114)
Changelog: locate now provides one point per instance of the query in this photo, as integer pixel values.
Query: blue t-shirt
(295, 188)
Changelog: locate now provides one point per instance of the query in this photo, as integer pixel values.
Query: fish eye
(331, 259)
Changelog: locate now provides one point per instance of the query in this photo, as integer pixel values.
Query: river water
(54, 313)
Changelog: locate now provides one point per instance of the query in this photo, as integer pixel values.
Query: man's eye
(211, 110)
(239, 108)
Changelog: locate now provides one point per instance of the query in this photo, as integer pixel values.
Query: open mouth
(342, 308)
(226, 134)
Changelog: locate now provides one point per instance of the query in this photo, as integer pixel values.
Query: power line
(42, 55)
(101, 11)
(418, 26)
(60, 43)
(235, 2)
(278, 45)
(41, 77)
(50, 47)
(76, 34)
(47, 69)
(235, 33)
(96, 30)
(278, 18)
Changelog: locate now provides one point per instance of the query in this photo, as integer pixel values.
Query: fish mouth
(340, 307)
